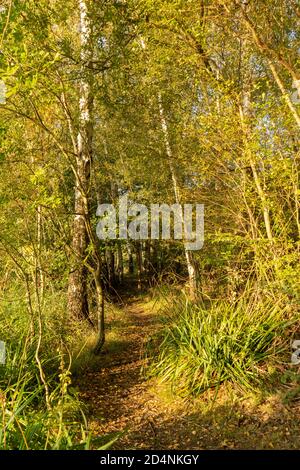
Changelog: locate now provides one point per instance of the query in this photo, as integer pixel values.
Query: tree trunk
(110, 263)
(120, 264)
(77, 291)
(244, 116)
(147, 260)
(190, 261)
(130, 259)
(139, 262)
(100, 304)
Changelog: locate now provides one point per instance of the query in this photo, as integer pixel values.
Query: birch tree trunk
(190, 261)
(259, 188)
(191, 265)
(245, 119)
(77, 291)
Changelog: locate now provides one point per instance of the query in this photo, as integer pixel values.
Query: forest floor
(118, 398)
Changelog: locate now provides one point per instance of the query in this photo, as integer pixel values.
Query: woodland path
(119, 398)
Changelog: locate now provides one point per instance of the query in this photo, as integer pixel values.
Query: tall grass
(202, 347)
(39, 408)
(26, 422)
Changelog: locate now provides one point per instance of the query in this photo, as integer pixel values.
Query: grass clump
(202, 347)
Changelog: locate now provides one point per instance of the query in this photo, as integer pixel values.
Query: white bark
(77, 294)
(192, 272)
(244, 112)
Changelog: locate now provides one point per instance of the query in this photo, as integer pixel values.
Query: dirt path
(120, 399)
